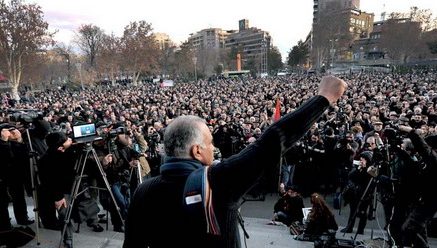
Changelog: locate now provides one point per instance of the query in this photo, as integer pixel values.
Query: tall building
(252, 44)
(330, 5)
(336, 25)
(162, 39)
(209, 38)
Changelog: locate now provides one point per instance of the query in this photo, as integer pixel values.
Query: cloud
(65, 20)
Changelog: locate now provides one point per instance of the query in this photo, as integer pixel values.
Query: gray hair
(182, 133)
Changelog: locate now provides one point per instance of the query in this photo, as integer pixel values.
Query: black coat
(56, 173)
(156, 217)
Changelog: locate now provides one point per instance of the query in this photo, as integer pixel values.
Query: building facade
(162, 39)
(211, 38)
(337, 24)
(252, 44)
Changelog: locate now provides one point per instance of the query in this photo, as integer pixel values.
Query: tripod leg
(33, 180)
(108, 187)
(80, 166)
(361, 202)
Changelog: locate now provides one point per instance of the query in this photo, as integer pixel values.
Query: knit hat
(55, 140)
(367, 155)
(6, 126)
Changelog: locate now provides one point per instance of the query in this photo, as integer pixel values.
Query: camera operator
(153, 139)
(222, 138)
(413, 229)
(14, 155)
(358, 180)
(344, 151)
(141, 147)
(405, 167)
(57, 173)
(119, 167)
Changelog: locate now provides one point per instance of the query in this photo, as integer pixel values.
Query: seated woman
(320, 219)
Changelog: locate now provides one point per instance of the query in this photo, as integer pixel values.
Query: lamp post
(195, 67)
(79, 68)
(332, 51)
(68, 68)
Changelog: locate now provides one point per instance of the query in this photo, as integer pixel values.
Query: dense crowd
(237, 112)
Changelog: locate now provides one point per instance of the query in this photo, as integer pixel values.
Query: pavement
(256, 214)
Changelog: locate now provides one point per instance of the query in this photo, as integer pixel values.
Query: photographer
(359, 203)
(14, 155)
(414, 227)
(405, 167)
(153, 139)
(344, 152)
(57, 175)
(120, 167)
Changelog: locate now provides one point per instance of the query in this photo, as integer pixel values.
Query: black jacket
(56, 173)
(156, 217)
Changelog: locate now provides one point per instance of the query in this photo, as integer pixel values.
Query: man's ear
(61, 149)
(196, 152)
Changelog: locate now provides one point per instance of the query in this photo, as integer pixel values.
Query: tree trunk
(135, 78)
(15, 94)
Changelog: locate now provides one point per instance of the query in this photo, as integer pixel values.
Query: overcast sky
(287, 20)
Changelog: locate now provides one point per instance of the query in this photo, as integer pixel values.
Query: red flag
(277, 114)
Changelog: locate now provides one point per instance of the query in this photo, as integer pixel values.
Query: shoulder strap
(198, 199)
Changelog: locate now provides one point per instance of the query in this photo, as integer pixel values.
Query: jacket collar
(179, 166)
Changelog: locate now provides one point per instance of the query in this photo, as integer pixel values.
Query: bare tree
(330, 31)
(183, 63)
(167, 58)
(66, 53)
(207, 60)
(140, 50)
(109, 58)
(23, 32)
(89, 41)
(398, 45)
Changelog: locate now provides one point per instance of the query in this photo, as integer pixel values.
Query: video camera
(25, 116)
(392, 134)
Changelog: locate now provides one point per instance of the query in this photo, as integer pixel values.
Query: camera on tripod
(393, 135)
(25, 116)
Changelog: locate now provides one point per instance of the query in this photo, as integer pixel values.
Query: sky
(287, 21)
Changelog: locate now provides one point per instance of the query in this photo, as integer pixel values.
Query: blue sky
(287, 20)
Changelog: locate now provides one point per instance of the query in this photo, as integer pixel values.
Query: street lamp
(195, 67)
(332, 51)
(79, 68)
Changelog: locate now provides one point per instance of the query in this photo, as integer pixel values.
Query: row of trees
(404, 37)
(29, 53)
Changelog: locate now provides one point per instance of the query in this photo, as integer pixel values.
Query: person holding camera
(424, 206)
(159, 202)
(405, 168)
(354, 192)
(120, 167)
(56, 171)
(15, 161)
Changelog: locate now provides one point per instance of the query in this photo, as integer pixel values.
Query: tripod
(79, 169)
(372, 205)
(34, 183)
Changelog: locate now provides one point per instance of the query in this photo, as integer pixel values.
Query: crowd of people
(355, 140)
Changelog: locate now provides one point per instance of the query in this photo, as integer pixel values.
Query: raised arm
(239, 172)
